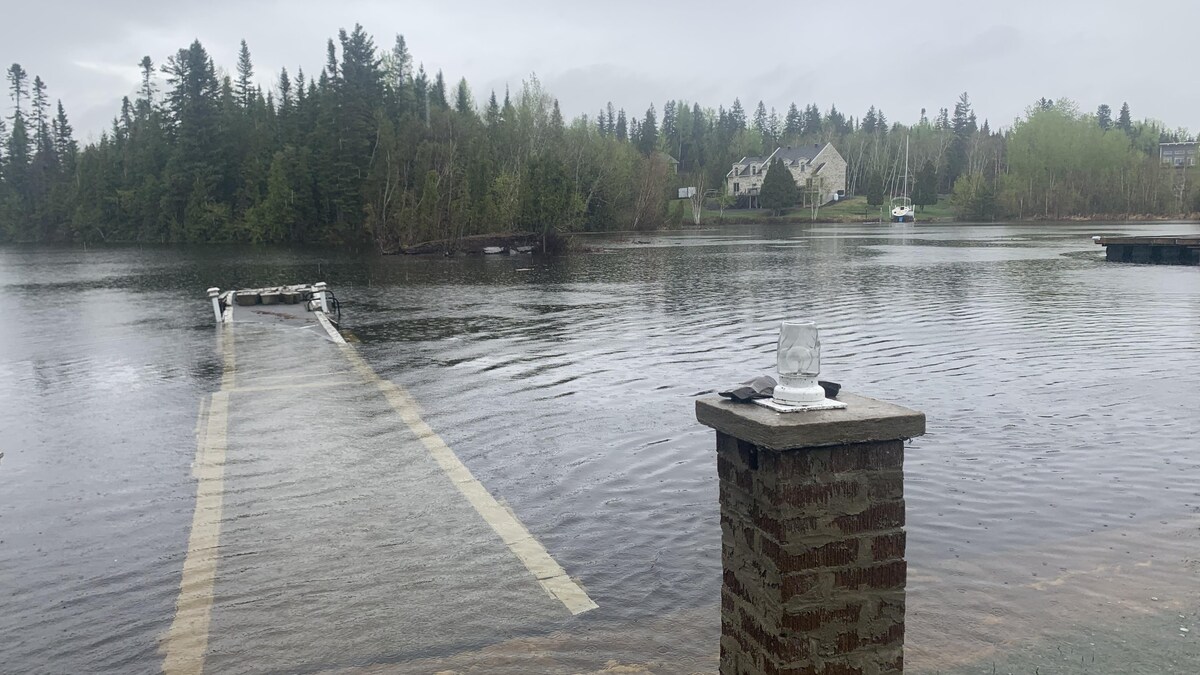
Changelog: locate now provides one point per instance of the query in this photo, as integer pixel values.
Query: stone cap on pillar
(863, 420)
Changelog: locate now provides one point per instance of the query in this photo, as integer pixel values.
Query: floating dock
(333, 528)
(1154, 250)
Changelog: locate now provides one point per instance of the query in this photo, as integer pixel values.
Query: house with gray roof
(818, 169)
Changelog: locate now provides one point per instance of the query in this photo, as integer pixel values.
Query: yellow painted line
(552, 577)
(186, 641)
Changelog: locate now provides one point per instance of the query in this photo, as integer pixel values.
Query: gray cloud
(901, 57)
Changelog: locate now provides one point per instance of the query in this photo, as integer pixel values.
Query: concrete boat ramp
(333, 528)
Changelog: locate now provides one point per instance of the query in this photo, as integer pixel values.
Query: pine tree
(244, 89)
(1104, 116)
(813, 124)
(437, 95)
(760, 118)
(1124, 119)
(16, 84)
(943, 120)
(875, 189)
(65, 145)
(492, 115)
(779, 190)
(149, 88)
(648, 132)
(925, 187)
(285, 91)
(622, 126)
(463, 103)
(670, 125)
(869, 121)
(737, 116)
(793, 124)
(42, 143)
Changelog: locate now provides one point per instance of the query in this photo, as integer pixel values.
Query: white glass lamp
(799, 359)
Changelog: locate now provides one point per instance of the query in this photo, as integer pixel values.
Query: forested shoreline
(374, 150)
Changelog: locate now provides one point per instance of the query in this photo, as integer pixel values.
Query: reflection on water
(1060, 457)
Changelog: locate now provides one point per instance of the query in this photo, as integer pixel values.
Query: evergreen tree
(963, 127)
(869, 121)
(1104, 117)
(64, 144)
(285, 91)
(737, 116)
(463, 104)
(648, 132)
(16, 85)
(812, 120)
(793, 123)
(437, 95)
(244, 89)
(670, 126)
(779, 190)
(875, 189)
(492, 115)
(925, 188)
(943, 120)
(622, 127)
(1125, 120)
(41, 121)
(760, 119)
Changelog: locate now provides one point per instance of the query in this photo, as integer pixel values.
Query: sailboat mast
(906, 166)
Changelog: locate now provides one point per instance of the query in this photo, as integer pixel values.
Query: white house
(813, 167)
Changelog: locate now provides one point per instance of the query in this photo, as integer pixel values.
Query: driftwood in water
(475, 244)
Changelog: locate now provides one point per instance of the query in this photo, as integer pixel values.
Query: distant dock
(1162, 250)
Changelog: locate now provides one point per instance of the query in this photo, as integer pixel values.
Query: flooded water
(1053, 506)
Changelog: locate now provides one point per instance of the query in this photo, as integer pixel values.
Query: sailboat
(902, 207)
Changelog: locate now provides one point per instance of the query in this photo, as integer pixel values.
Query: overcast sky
(899, 56)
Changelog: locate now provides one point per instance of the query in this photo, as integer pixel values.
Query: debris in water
(1154, 598)
(1183, 630)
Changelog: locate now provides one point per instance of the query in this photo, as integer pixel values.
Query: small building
(817, 169)
(1178, 154)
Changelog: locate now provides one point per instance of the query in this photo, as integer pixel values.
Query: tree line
(375, 151)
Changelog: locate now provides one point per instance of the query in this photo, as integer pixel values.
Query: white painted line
(328, 326)
(533, 555)
(186, 641)
(297, 385)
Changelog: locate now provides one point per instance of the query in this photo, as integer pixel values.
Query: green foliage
(375, 151)
(779, 190)
(925, 188)
(875, 189)
(974, 199)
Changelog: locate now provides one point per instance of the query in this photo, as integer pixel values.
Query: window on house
(737, 188)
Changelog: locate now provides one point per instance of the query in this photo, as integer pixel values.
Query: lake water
(1053, 506)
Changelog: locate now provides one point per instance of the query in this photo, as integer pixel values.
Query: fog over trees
(376, 150)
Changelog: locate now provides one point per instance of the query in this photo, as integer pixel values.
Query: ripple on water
(1059, 392)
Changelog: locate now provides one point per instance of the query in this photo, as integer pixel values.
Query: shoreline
(559, 243)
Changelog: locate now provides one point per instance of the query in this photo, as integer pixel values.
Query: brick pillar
(812, 536)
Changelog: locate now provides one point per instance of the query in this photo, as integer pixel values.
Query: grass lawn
(852, 210)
